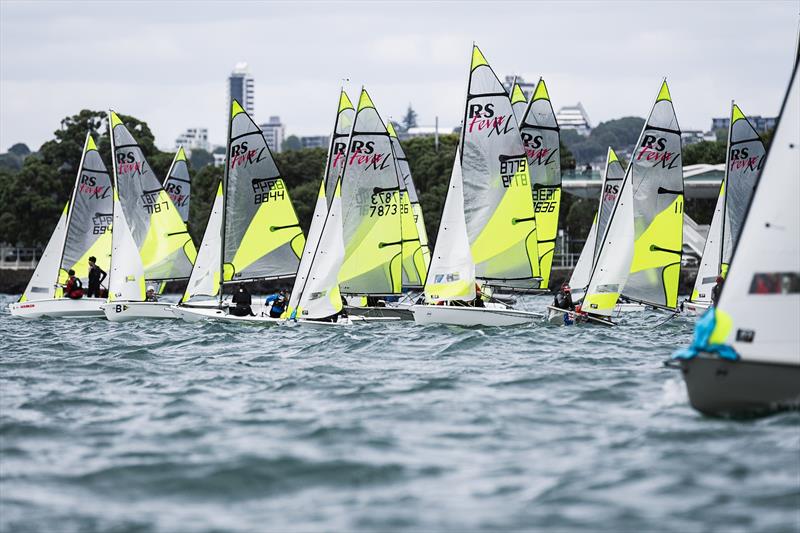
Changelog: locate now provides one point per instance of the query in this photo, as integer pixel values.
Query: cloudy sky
(167, 62)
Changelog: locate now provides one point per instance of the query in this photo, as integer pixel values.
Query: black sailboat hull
(719, 387)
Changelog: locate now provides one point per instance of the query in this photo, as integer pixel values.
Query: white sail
(708, 270)
(205, 277)
(43, 282)
(178, 184)
(126, 278)
(452, 271)
(583, 268)
(320, 297)
(614, 257)
(759, 308)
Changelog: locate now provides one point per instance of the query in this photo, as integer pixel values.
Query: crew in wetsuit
(243, 301)
(716, 290)
(563, 299)
(278, 301)
(74, 287)
(150, 295)
(96, 277)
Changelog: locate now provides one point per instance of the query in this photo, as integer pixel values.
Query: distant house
(274, 133)
(695, 136)
(574, 118)
(425, 131)
(315, 141)
(761, 124)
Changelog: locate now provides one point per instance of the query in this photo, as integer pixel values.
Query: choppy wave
(168, 426)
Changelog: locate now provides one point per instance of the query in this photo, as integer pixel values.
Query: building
(241, 87)
(761, 124)
(219, 160)
(274, 133)
(315, 141)
(426, 131)
(527, 87)
(193, 139)
(695, 136)
(574, 118)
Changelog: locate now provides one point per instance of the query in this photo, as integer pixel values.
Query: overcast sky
(167, 62)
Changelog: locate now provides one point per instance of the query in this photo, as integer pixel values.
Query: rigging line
(670, 317)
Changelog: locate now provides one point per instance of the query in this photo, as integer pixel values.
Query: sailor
(150, 295)
(716, 290)
(74, 287)
(563, 299)
(243, 300)
(96, 277)
(478, 301)
(278, 301)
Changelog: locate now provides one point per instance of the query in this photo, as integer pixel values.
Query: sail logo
(482, 118)
(101, 222)
(363, 154)
(537, 154)
(89, 187)
(654, 149)
(241, 155)
(174, 191)
(741, 160)
(339, 149)
(267, 189)
(127, 163)
(449, 277)
(610, 192)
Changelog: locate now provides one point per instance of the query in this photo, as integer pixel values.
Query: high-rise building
(193, 139)
(273, 133)
(241, 87)
(574, 117)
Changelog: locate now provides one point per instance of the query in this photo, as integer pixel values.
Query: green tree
(410, 119)
(711, 152)
(292, 142)
(200, 158)
(20, 150)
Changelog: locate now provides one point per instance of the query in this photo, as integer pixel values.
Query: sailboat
(656, 178)
(160, 238)
(541, 137)
(375, 238)
(519, 102)
(315, 296)
(178, 184)
(745, 357)
(605, 260)
(82, 231)
(613, 177)
(745, 158)
(487, 230)
(252, 232)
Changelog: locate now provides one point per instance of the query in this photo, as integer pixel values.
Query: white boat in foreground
(456, 315)
(199, 314)
(58, 308)
(695, 308)
(126, 311)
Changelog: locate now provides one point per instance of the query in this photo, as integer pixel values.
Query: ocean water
(169, 426)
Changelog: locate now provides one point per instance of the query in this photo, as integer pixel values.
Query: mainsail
(416, 254)
(262, 238)
(745, 159)
(496, 185)
(656, 178)
(315, 250)
(609, 192)
(519, 103)
(164, 244)
(759, 307)
(178, 184)
(540, 135)
(371, 208)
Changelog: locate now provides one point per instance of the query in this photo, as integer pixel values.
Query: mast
(725, 185)
(225, 203)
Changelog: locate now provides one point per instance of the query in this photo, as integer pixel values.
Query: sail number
(510, 172)
(544, 200)
(268, 189)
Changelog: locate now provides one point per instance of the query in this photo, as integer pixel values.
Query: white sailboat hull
(556, 317)
(472, 316)
(126, 311)
(629, 307)
(695, 308)
(199, 314)
(58, 308)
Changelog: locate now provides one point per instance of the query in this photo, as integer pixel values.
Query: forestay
(371, 208)
(759, 308)
(262, 237)
(541, 137)
(179, 185)
(656, 178)
(165, 246)
(337, 153)
(496, 185)
(416, 254)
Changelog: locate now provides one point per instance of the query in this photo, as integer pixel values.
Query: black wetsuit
(96, 277)
(243, 301)
(715, 290)
(563, 300)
